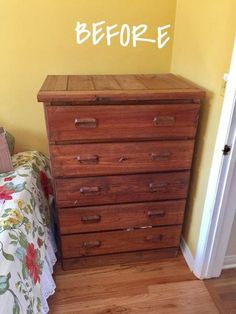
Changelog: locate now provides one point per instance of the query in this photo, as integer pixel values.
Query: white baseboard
(229, 262)
(187, 254)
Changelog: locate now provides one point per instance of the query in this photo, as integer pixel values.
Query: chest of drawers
(121, 149)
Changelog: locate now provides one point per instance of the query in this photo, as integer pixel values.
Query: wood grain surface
(129, 87)
(121, 189)
(223, 291)
(114, 217)
(109, 242)
(159, 287)
(121, 150)
(121, 122)
(120, 158)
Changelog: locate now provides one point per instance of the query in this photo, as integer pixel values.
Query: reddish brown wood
(105, 82)
(80, 82)
(118, 87)
(119, 241)
(120, 158)
(123, 122)
(119, 258)
(121, 189)
(121, 148)
(223, 292)
(55, 82)
(113, 217)
(164, 82)
(130, 82)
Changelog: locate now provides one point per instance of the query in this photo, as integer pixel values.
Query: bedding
(26, 244)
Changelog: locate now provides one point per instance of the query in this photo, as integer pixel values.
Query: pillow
(10, 141)
(5, 157)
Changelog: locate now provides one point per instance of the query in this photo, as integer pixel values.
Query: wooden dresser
(121, 150)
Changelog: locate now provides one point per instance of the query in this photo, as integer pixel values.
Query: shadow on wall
(38, 138)
(205, 111)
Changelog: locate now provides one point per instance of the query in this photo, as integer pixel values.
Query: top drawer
(117, 122)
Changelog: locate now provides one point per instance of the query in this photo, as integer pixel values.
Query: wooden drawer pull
(160, 156)
(91, 219)
(154, 238)
(91, 244)
(156, 213)
(85, 123)
(89, 190)
(154, 187)
(164, 120)
(93, 159)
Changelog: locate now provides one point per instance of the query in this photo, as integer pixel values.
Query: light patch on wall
(128, 35)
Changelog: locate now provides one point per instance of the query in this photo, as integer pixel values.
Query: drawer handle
(164, 120)
(122, 159)
(89, 190)
(154, 187)
(160, 156)
(94, 159)
(91, 219)
(91, 244)
(156, 213)
(85, 123)
(154, 238)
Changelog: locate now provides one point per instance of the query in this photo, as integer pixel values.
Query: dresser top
(57, 88)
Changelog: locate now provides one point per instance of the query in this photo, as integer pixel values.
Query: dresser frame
(111, 135)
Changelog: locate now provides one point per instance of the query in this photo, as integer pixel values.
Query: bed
(27, 247)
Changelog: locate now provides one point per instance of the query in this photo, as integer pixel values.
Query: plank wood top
(57, 88)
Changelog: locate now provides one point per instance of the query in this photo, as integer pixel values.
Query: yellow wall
(203, 43)
(38, 38)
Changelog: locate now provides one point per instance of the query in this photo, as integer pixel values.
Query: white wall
(230, 257)
(232, 242)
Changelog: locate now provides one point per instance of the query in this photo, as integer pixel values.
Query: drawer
(119, 241)
(113, 217)
(121, 189)
(90, 123)
(120, 158)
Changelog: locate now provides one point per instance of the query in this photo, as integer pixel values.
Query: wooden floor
(223, 291)
(161, 287)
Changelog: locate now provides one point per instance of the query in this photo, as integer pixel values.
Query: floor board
(162, 287)
(223, 291)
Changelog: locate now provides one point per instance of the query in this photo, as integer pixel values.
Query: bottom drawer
(119, 241)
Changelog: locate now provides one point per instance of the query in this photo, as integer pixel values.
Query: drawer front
(120, 158)
(121, 189)
(113, 217)
(89, 123)
(119, 241)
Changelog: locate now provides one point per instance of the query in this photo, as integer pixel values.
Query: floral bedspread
(25, 195)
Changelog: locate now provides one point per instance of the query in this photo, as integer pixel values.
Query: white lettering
(138, 31)
(125, 28)
(127, 34)
(81, 28)
(162, 35)
(111, 35)
(96, 31)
